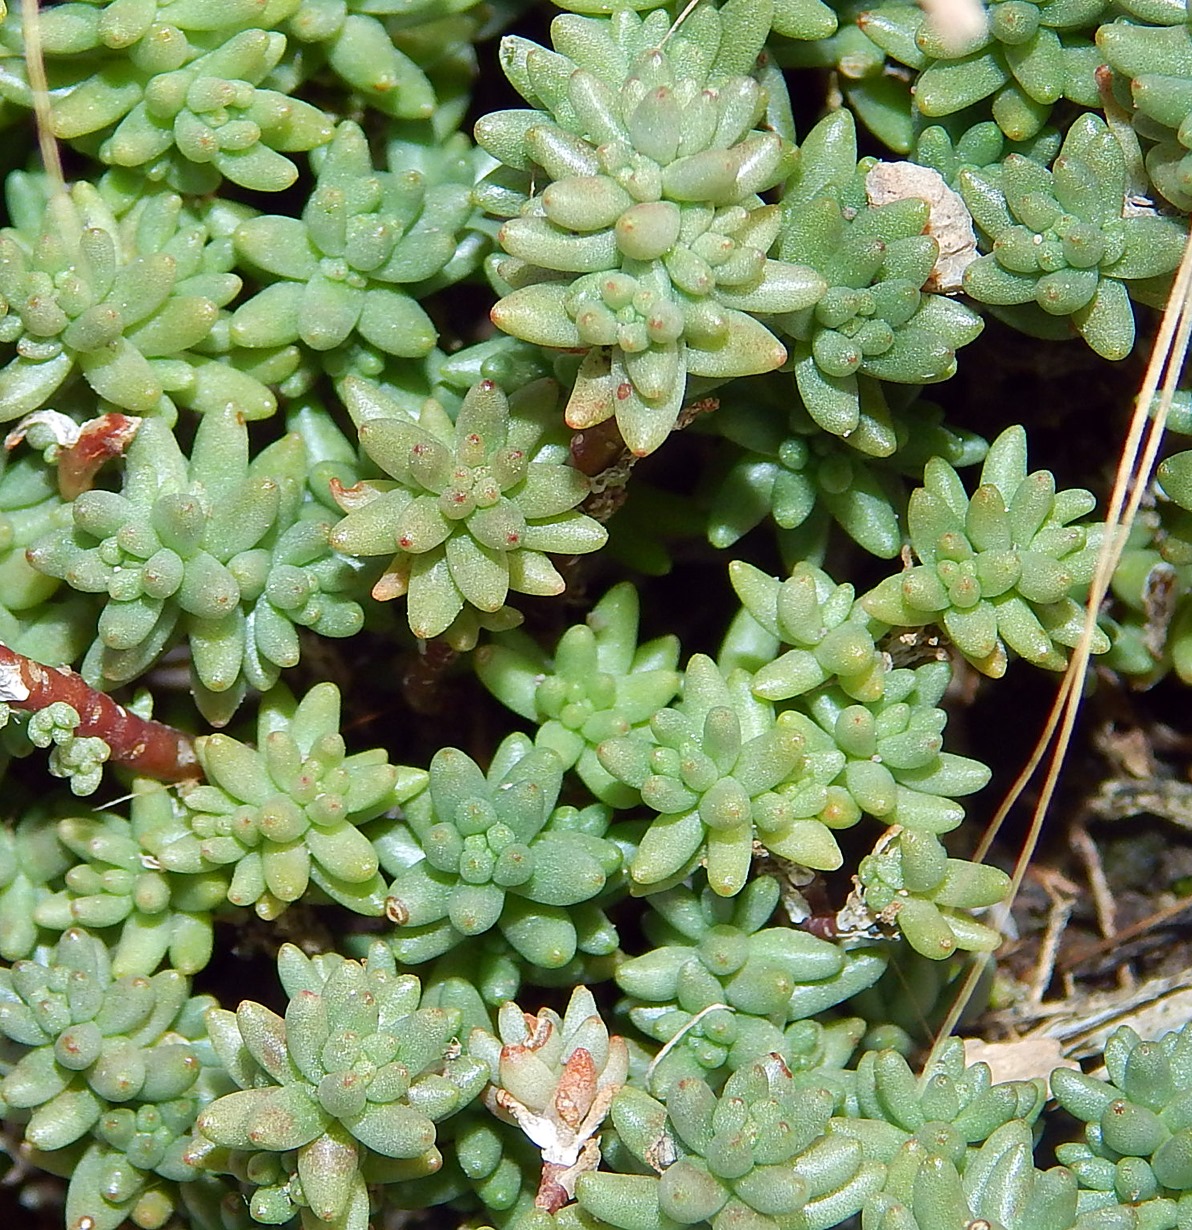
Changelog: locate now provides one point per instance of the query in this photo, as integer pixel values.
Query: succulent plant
(178, 93)
(239, 420)
(653, 160)
(29, 507)
(599, 683)
(721, 771)
(471, 507)
(1066, 241)
(808, 480)
(831, 637)
(217, 547)
(356, 1068)
(1027, 54)
(477, 851)
(1155, 66)
(963, 1098)
(31, 857)
(285, 814)
(926, 1187)
(78, 758)
(344, 266)
(895, 768)
(756, 1155)
(1137, 1143)
(359, 41)
(161, 915)
(120, 301)
(718, 987)
(952, 147)
(910, 881)
(87, 1041)
(878, 318)
(998, 569)
(877, 93)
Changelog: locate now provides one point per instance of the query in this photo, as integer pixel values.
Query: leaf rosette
(351, 264)
(178, 92)
(218, 547)
(349, 1084)
(285, 814)
(598, 683)
(876, 320)
(470, 510)
(477, 851)
(649, 142)
(122, 300)
(1065, 243)
(997, 570)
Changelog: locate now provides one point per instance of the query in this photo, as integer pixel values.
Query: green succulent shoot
(721, 770)
(30, 506)
(355, 1073)
(831, 636)
(345, 266)
(217, 547)
(285, 814)
(123, 302)
(758, 1155)
(78, 758)
(160, 915)
(642, 240)
(471, 507)
(878, 319)
(1137, 1145)
(599, 683)
(998, 569)
(961, 1098)
(1027, 54)
(809, 481)
(1066, 243)
(31, 858)
(87, 1041)
(1154, 63)
(477, 851)
(955, 146)
(910, 880)
(718, 987)
(893, 765)
(179, 94)
(356, 40)
(937, 1182)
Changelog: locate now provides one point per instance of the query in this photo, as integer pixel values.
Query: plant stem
(149, 748)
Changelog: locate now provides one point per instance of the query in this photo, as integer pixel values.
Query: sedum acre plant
(430, 790)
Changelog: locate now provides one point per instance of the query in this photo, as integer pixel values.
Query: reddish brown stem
(150, 748)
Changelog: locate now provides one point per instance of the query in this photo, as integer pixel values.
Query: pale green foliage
(119, 300)
(599, 683)
(222, 548)
(472, 506)
(477, 851)
(241, 420)
(285, 813)
(874, 321)
(356, 1068)
(998, 570)
(180, 95)
(362, 237)
(1066, 242)
(655, 158)
(724, 987)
